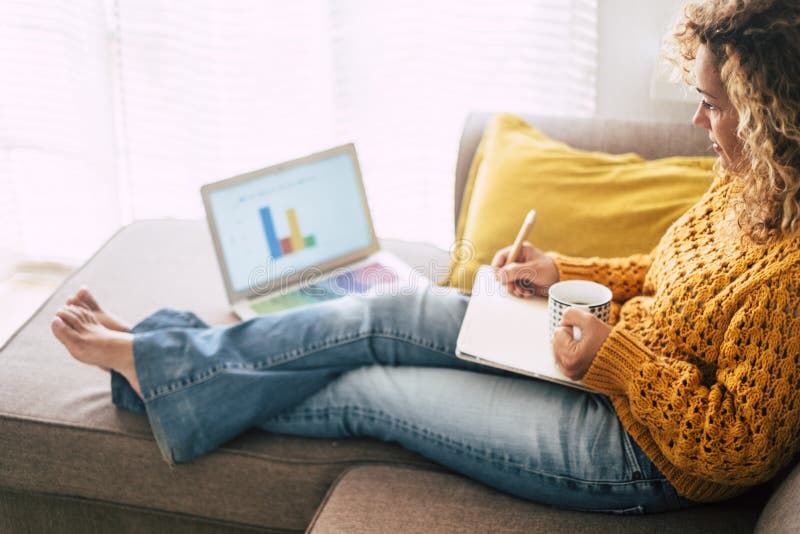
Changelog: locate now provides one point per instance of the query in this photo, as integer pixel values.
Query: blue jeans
(384, 367)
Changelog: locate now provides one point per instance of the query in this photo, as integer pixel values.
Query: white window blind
(58, 185)
(121, 109)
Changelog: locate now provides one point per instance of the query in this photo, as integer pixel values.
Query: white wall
(630, 33)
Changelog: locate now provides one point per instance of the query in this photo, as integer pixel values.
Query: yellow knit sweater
(703, 362)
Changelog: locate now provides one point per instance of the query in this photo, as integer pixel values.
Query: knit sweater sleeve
(624, 276)
(735, 425)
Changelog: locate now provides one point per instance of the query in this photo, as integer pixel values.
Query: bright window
(118, 110)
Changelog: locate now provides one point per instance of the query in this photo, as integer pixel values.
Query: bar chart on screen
(287, 220)
(296, 241)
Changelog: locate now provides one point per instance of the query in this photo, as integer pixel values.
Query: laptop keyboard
(358, 280)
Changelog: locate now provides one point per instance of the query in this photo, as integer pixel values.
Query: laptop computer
(299, 233)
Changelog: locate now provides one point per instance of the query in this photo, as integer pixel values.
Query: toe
(80, 312)
(85, 316)
(63, 332)
(66, 314)
(87, 298)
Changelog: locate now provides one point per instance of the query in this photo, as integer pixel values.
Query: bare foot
(90, 342)
(85, 299)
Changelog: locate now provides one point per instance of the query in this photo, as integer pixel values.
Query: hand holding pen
(526, 270)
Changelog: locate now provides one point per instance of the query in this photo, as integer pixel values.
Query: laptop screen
(288, 218)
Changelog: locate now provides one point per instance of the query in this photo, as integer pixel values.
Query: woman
(698, 377)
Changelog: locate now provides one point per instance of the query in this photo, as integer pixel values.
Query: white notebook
(508, 332)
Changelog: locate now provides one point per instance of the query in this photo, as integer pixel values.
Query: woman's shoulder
(779, 268)
(787, 252)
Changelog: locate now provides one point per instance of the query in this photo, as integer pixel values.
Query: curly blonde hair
(755, 46)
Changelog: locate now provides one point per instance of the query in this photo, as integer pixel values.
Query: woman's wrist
(570, 268)
(554, 263)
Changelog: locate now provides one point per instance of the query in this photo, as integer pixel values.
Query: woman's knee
(358, 403)
(431, 307)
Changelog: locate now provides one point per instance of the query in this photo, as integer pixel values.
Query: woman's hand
(575, 357)
(533, 272)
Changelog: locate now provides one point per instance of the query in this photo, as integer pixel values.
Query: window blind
(136, 103)
(57, 173)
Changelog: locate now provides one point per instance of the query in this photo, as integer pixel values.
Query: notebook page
(507, 330)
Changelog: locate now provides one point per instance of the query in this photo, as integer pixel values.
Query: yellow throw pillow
(587, 203)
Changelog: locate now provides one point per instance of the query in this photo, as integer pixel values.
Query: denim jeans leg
(385, 367)
(203, 386)
(527, 437)
(122, 394)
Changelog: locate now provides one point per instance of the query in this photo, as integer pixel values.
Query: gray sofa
(71, 462)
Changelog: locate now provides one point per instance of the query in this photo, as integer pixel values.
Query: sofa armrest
(650, 140)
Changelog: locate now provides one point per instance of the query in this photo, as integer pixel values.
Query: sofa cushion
(588, 203)
(651, 140)
(390, 499)
(781, 515)
(60, 433)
